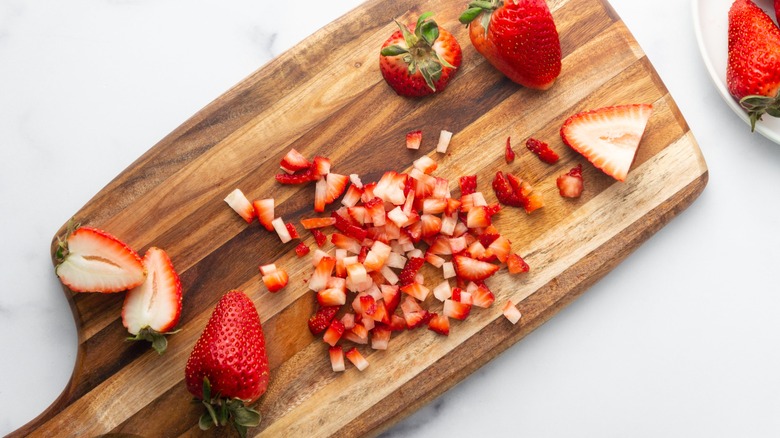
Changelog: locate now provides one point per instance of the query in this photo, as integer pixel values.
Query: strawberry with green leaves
(153, 309)
(518, 37)
(228, 367)
(420, 61)
(753, 69)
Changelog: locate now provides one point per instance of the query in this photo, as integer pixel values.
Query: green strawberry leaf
(394, 50)
(470, 14)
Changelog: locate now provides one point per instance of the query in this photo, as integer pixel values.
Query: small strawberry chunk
(509, 154)
(264, 210)
(416, 290)
(334, 332)
(482, 297)
(570, 184)
(319, 237)
(302, 249)
(542, 150)
(320, 321)
(425, 164)
(322, 273)
(511, 312)
(468, 184)
(516, 265)
(410, 270)
(467, 268)
(300, 177)
(439, 324)
(291, 229)
(413, 139)
(241, 205)
(294, 161)
(276, 280)
(336, 354)
(444, 141)
(414, 315)
(357, 359)
(455, 309)
(281, 230)
(380, 337)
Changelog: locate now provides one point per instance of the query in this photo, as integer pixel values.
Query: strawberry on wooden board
(518, 37)
(420, 61)
(608, 137)
(228, 367)
(753, 69)
(153, 309)
(570, 184)
(92, 260)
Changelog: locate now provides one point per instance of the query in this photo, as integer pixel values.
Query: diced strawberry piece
(477, 250)
(358, 334)
(455, 309)
(509, 154)
(352, 197)
(319, 237)
(291, 229)
(448, 270)
(300, 177)
(241, 205)
(294, 161)
(276, 280)
(456, 291)
(281, 230)
(380, 338)
(440, 246)
(322, 273)
(391, 295)
(413, 139)
(414, 315)
(434, 206)
(397, 323)
(367, 305)
(426, 164)
(317, 222)
(453, 206)
(444, 141)
(439, 324)
(431, 225)
(458, 244)
(434, 260)
(504, 191)
(302, 249)
(334, 332)
(478, 217)
(516, 265)
(267, 269)
(336, 184)
(347, 228)
(482, 296)
(331, 297)
(377, 256)
(348, 319)
(381, 315)
(390, 187)
(336, 354)
(398, 217)
(320, 166)
(264, 210)
(542, 150)
(345, 242)
(409, 272)
(467, 268)
(375, 208)
(500, 248)
(511, 312)
(357, 359)
(416, 290)
(570, 184)
(442, 291)
(468, 184)
(320, 321)
(486, 239)
(320, 195)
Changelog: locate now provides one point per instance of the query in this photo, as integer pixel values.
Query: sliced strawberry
(413, 139)
(439, 324)
(317, 222)
(409, 272)
(320, 321)
(468, 184)
(467, 268)
(92, 260)
(511, 312)
(357, 359)
(542, 150)
(264, 210)
(482, 296)
(334, 332)
(608, 137)
(336, 354)
(336, 185)
(276, 280)
(509, 154)
(570, 184)
(456, 310)
(516, 265)
(153, 309)
(302, 249)
(319, 237)
(241, 205)
(293, 161)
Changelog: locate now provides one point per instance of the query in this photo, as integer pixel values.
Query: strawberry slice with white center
(608, 137)
(152, 310)
(294, 161)
(241, 205)
(93, 260)
(467, 268)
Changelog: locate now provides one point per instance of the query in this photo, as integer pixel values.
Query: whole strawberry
(228, 367)
(753, 70)
(518, 37)
(421, 62)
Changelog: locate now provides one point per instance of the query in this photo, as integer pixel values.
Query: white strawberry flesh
(156, 303)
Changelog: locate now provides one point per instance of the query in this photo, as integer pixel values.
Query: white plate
(710, 21)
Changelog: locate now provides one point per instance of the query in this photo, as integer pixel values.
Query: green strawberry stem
(476, 8)
(158, 340)
(62, 241)
(221, 411)
(419, 53)
(757, 106)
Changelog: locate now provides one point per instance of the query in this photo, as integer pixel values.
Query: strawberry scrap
(509, 154)
(570, 184)
(542, 150)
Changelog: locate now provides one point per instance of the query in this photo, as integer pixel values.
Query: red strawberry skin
(230, 352)
(521, 41)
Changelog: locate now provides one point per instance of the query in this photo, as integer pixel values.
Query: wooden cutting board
(326, 97)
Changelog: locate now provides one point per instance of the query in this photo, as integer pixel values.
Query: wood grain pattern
(326, 97)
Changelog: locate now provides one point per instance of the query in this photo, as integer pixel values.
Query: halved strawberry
(241, 205)
(413, 139)
(570, 184)
(439, 324)
(467, 268)
(336, 354)
(92, 260)
(542, 150)
(320, 321)
(293, 161)
(264, 210)
(357, 359)
(276, 280)
(608, 137)
(511, 312)
(152, 309)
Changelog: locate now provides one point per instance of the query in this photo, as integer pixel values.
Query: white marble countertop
(680, 340)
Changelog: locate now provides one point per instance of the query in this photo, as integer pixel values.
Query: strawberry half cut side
(608, 137)
(152, 310)
(92, 260)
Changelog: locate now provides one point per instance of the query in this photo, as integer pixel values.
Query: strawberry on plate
(422, 61)
(152, 310)
(518, 37)
(228, 367)
(92, 260)
(608, 137)
(753, 69)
